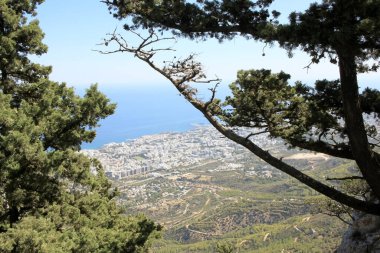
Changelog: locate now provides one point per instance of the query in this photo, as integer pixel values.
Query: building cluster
(167, 151)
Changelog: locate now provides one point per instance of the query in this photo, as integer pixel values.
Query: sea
(145, 110)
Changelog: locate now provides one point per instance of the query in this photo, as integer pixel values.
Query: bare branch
(213, 93)
(344, 178)
(141, 49)
(339, 216)
(257, 133)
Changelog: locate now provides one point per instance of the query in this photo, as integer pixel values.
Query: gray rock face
(363, 236)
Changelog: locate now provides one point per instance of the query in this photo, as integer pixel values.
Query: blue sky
(74, 28)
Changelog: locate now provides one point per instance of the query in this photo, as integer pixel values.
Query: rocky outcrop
(363, 236)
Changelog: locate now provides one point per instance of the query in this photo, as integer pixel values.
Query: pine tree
(52, 197)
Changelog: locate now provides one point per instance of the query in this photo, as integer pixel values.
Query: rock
(363, 236)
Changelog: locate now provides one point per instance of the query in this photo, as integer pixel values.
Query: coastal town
(166, 151)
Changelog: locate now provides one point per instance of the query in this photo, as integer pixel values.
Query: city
(171, 150)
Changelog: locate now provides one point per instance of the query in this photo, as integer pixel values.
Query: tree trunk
(363, 236)
(365, 159)
(14, 215)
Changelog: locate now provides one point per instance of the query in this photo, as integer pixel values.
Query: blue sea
(143, 110)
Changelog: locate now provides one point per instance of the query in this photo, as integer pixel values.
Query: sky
(74, 28)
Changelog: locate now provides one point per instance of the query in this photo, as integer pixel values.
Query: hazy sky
(73, 28)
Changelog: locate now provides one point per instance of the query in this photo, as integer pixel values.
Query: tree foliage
(302, 116)
(52, 197)
(224, 247)
(327, 118)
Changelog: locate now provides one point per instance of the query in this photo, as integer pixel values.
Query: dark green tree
(52, 197)
(327, 118)
(225, 247)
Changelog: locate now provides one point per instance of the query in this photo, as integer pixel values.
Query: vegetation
(327, 118)
(238, 206)
(313, 236)
(52, 198)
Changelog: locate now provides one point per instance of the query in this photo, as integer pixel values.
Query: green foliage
(195, 19)
(324, 29)
(89, 223)
(253, 104)
(371, 101)
(224, 247)
(20, 38)
(318, 233)
(52, 197)
(319, 31)
(296, 113)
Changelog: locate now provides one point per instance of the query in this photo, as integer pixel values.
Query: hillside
(225, 195)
